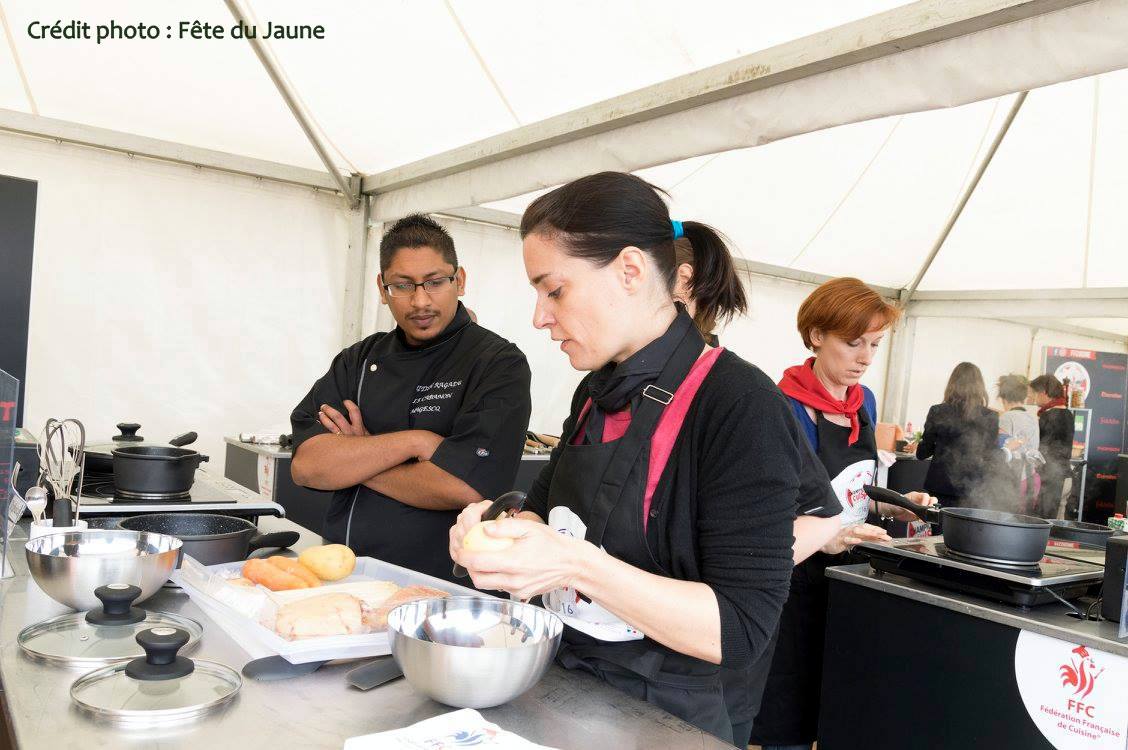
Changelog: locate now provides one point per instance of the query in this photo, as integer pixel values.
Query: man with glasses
(409, 427)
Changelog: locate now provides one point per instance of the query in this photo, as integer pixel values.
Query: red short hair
(845, 307)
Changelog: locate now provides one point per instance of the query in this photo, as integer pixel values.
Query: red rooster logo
(1081, 673)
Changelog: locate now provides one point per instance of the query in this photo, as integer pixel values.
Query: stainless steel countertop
(275, 451)
(566, 709)
(1048, 619)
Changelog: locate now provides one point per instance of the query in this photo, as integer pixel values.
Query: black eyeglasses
(430, 286)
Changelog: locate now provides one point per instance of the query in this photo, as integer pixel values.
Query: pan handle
(884, 495)
(279, 539)
(182, 440)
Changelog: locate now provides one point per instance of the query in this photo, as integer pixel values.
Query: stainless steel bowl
(69, 566)
(471, 652)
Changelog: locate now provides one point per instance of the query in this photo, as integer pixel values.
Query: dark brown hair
(966, 390)
(595, 217)
(845, 307)
(1013, 388)
(416, 230)
(715, 287)
(1048, 385)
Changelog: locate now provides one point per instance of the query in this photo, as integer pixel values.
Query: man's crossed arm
(349, 455)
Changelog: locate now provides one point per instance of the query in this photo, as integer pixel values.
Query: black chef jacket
(468, 385)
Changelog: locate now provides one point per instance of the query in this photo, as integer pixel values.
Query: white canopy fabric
(399, 81)
(394, 80)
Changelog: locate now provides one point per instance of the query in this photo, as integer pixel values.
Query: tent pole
(911, 289)
(353, 300)
(350, 188)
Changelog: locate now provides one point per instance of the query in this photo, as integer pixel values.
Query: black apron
(389, 397)
(603, 484)
(789, 712)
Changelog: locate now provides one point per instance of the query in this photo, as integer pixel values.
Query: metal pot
(154, 470)
(99, 456)
(990, 537)
(211, 538)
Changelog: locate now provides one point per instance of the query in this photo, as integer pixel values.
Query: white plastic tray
(236, 613)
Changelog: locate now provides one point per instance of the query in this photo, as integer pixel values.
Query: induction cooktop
(1054, 578)
(209, 492)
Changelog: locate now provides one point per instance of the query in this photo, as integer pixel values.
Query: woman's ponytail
(715, 288)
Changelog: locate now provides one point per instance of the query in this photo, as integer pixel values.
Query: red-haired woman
(842, 322)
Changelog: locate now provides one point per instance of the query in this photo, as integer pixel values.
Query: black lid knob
(128, 432)
(116, 599)
(160, 661)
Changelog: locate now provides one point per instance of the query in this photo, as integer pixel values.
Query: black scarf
(615, 386)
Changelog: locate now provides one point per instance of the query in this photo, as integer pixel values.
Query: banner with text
(1101, 378)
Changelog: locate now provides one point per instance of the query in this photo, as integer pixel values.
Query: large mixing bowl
(69, 566)
(471, 652)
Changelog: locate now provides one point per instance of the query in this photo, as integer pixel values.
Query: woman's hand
(903, 514)
(848, 536)
(467, 519)
(539, 560)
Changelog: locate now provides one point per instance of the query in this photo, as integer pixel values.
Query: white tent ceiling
(399, 81)
(869, 199)
(394, 80)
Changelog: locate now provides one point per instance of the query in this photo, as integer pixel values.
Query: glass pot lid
(160, 687)
(100, 636)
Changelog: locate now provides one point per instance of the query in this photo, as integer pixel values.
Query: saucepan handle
(278, 539)
(510, 503)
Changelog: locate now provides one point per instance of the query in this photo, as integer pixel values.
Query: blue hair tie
(679, 231)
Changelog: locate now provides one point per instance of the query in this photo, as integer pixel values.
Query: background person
(1055, 426)
(961, 437)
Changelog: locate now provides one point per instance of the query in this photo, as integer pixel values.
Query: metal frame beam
(1049, 324)
(1058, 308)
(1020, 295)
(348, 187)
(355, 282)
(964, 198)
(803, 277)
(62, 131)
(911, 26)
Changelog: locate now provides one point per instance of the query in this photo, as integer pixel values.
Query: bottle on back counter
(1116, 523)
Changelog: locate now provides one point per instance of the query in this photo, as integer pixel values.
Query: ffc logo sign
(1080, 673)
(1073, 694)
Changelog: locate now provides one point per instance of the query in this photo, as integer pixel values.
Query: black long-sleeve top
(1055, 442)
(727, 499)
(963, 450)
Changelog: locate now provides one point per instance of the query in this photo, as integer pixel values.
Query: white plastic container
(240, 611)
(46, 526)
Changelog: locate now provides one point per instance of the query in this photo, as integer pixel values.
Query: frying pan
(1079, 531)
(985, 536)
(209, 537)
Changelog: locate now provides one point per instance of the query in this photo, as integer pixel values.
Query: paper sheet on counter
(458, 729)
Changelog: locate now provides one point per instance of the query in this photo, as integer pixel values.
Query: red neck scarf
(801, 384)
(1050, 404)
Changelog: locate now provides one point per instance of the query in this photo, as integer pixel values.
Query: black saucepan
(986, 536)
(99, 456)
(211, 538)
(155, 469)
(1079, 531)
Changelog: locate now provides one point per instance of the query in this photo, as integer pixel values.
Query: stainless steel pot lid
(159, 687)
(99, 637)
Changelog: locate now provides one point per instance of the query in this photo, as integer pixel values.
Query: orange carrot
(274, 578)
(290, 565)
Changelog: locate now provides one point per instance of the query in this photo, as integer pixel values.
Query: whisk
(62, 458)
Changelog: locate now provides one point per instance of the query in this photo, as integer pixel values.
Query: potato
(331, 562)
(476, 539)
